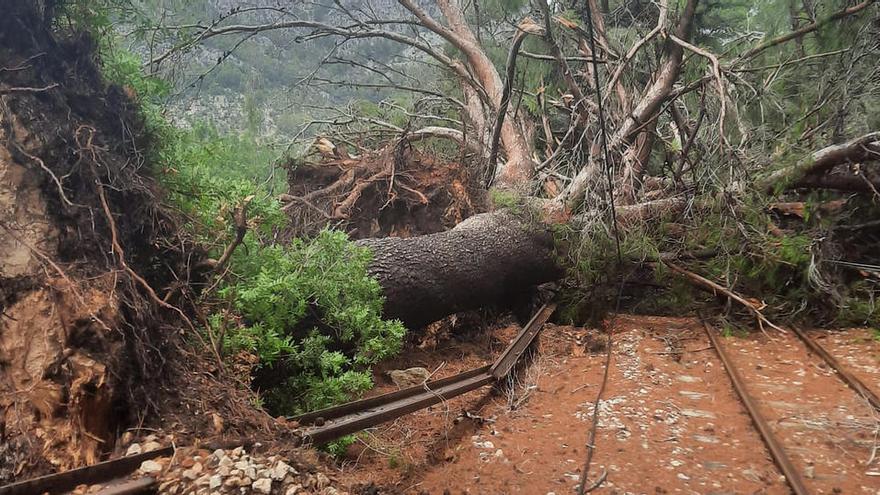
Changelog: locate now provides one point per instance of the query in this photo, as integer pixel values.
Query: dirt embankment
(90, 263)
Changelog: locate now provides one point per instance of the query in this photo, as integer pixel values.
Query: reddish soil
(669, 421)
(828, 430)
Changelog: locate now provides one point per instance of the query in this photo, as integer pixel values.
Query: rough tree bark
(484, 260)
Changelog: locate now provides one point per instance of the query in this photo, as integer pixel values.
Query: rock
(280, 470)
(215, 481)
(219, 453)
(409, 377)
(309, 482)
(236, 452)
(696, 413)
(233, 482)
(329, 491)
(134, 449)
(95, 488)
(151, 438)
(321, 481)
(251, 473)
(189, 474)
(225, 461)
(151, 446)
(262, 485)
(293, 489)
(169, 486)
(149, 467)
(241, 465)
(226, 471)
(484, 445)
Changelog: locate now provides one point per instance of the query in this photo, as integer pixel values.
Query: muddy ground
(669, 421)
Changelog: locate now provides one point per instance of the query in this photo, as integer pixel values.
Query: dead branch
(239, 216)
(643, 113)
(855, 183)
(321, 29)
(445, 133)
(753, 306)
(567, 75)
(716, 73)
(551, 58)
(661, 23)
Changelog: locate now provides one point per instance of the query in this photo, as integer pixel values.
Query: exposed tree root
(395, 191)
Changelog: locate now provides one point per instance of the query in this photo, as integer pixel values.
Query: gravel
(226, 472)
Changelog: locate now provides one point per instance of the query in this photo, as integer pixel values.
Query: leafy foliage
(311, 310)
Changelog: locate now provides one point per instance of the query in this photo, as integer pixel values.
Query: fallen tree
(485, 260)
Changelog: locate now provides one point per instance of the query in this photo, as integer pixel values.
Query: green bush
(311, 310)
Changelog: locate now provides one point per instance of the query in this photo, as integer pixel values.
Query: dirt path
(670, 421)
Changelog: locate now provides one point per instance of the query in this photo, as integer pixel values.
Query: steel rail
(845, 376)
(88, 475)
(334, 412)
(132, 487)
(508, 359)
(360, 420)
(792, 476)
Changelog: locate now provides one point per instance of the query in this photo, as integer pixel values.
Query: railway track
(794, 477)
(317, 427)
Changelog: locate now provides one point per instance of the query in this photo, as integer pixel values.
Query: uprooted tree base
(90, 340)
(396, 191)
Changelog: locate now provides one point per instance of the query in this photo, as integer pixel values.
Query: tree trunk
(485, 260)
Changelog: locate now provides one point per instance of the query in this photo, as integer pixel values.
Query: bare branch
(526, 26)
(661, 23)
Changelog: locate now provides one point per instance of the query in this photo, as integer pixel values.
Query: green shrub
(311, 310)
